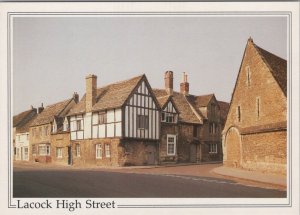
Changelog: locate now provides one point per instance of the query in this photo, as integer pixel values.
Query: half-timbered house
(117, 124)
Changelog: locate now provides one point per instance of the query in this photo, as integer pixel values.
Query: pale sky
(52, 56)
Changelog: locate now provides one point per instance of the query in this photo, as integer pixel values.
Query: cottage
(21, 123)
(254, 136)
(190, 125)
(117, 124)
(49, 132)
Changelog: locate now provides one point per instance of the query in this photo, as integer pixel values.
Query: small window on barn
(248, 76)
(239, 113)
(257, 108)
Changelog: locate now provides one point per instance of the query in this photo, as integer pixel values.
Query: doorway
(69, 155)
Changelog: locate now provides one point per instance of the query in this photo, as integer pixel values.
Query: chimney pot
(91, 92)
(184, 86)
(169, 82)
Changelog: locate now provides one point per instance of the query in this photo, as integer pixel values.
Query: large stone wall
(265, 152)
(60, 140)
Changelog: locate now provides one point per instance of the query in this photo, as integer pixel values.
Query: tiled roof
(25, 128)
(50, 112)
(17, 119)
(187, 114)
(277, 66)
(203, 100)
(224, 108)
(23, 120)
(110, 96)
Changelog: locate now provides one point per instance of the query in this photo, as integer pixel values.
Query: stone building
(190, 125)
(254, 136)
(21, 123)
(49, 134)
(115, 125)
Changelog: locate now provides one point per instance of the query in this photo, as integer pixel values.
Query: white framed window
(99, 151)
(77, 148)
(59, 152)
(213, 148)
(44, 149)
(25, 153)
(107, 150)
(79, 125)
(171, 144)
(102, 118)
(212, 128)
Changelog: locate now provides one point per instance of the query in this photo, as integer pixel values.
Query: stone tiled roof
(23, 120)
(50, 112)
(203, 100)
(187, 114)
(224, 108)
(110, 96)
(17, 119)
(277, 66)
(264, 128)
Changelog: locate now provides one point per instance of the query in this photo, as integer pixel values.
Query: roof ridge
(120, 82)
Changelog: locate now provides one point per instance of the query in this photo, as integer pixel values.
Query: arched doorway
(233, 147)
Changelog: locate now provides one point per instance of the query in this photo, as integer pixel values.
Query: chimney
(40, 109)
(91, 92)
(169, 82)
(184, 86)
(76, 97)
(250, 40)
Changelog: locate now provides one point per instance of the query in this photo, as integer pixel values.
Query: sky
(52, 55)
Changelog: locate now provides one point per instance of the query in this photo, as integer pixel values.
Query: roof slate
(50, 112)
(277, 65)
(181, 101)
(111, 96)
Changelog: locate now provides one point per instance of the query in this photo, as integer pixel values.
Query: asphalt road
(101, 183)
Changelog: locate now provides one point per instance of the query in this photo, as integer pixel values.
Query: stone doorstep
(267, 178)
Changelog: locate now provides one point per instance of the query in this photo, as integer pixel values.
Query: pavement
(267, 178)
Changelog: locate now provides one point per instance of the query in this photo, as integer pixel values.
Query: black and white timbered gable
(142, 113)
(169, 113)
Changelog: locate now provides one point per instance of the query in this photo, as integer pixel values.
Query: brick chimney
(40, 109)
(91, 92)
(76, 97)
(169, 82)
(184, 86)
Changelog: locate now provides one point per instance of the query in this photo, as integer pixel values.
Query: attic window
(248, 74)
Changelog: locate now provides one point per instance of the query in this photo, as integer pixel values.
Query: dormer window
(169, 114)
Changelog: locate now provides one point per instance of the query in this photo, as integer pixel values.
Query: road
(169, 182)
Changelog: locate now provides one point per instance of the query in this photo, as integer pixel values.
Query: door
(69, 155)
(193, 152)
(151, 152)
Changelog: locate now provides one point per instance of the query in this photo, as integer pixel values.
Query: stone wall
(60, 140)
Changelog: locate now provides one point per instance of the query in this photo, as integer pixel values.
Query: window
(78, 125)
(212, 128)
(142, 122)
(239, 113)
(257, 107)
(163, 116)
(66, 125)
(59, 152)
(102, 118)
(44, 149)
(170, 117)
(98, 151)
(54, 128)
(213, 148)
(107, 150)
(77, 148)
(33, 149)
(248, 76)
(171, 144)
(25, 153)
